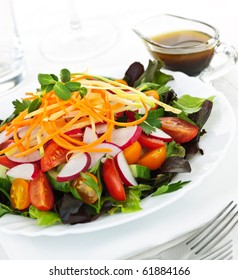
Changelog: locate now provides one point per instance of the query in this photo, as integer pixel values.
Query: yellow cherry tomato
(153, 159)
(19, 194)
(133, 152)
(154, 94)
(86, 192)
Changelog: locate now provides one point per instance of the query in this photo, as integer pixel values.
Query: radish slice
(77, 132)
(108, 145)
(124, 137)
(79, 162)
(32, 157)
(27, 171)
(89, 135)
(4, 137)
(101, 128)
(124, 170)
(160, 134)
(23, 130)
(95, 157)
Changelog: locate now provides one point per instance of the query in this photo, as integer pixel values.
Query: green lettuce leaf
(190, 104)
(44, 218)
(131, 204)
(153, 74)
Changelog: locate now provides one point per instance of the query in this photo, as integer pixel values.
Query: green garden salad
(85, 145)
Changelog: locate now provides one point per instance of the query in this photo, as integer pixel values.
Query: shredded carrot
(3, 127)
(16, 140)
(78, 78)
(55, 117)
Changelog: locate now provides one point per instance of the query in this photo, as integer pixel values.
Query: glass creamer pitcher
(187, 45)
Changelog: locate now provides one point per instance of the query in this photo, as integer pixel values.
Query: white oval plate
(220, 128)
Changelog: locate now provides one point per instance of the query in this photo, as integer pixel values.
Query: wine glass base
(69, 45)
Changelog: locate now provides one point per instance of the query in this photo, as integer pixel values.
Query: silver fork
(209, 243)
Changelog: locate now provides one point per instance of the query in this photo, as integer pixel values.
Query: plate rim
(94, 226)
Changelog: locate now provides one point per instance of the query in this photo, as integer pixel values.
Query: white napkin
(156, 250)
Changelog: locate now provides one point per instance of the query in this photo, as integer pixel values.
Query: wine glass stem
(75, 21)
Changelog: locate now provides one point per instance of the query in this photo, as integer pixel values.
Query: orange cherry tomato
(19, 194)
(154, 94)
(153, 159)
(133, 152)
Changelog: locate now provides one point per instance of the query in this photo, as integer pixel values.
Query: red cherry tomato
(180, 130)
(7, 162)
(5, 144)
(53, 156)
(41, 194)
(149, 142)
(112, 180)
(19, 194)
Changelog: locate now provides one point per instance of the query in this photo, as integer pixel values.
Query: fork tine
(213, 221)
(211, 237)
(226, 256)
(208, 238)
(219, 251)
(220, 235)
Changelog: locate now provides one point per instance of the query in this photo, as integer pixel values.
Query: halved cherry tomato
(41, 194)
(5, 161)
(154, 94)
(180, 130)
(150, 142)
(6, 144)
(112, 180)
(153, 159)
(86, 192)
(19, 194)
(133, 152)
(53, 156)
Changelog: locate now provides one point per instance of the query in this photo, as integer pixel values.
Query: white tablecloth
(36, 18)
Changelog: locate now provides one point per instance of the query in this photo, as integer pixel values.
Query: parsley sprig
(151, 121)
(19, 106)
(63, 87)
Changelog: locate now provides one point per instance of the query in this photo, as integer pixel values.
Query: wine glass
(79, 40)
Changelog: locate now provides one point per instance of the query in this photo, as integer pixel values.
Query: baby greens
(62, 88)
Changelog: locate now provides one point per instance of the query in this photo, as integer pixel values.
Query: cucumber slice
(139, 171)
(60, 186)
(4, 180)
